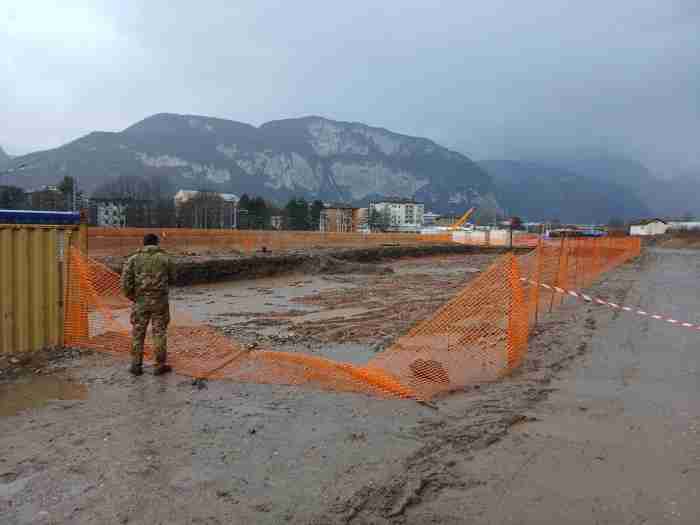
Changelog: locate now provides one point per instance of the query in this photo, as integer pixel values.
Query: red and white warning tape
(596, 300)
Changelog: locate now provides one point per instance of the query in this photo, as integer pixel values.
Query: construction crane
(462, 220)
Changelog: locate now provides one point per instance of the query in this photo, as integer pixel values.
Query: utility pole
(510, 227)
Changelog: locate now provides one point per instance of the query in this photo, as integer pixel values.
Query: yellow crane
(462, 220)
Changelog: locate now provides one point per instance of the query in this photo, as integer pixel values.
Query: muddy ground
(618, 439)
(335, 309)
(222, 266)
(84, 442)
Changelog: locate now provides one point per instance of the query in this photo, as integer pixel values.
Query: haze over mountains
(540, 191)
(321, 158)
(664, 197)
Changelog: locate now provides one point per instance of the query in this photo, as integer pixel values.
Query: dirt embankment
(677, 243)
(675, 240)
(200, 269)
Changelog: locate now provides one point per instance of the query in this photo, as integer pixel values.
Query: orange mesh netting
(124, 241)
(97, 317)
(480, 335)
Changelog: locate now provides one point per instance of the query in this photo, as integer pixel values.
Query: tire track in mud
(472, 421)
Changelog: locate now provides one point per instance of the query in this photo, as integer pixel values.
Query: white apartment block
(405, 215)
(110, 213)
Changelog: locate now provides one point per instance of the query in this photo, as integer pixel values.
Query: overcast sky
(490, 78)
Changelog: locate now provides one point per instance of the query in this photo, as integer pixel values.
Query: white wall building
(430, 218)
(404, 215)
(110, 212)
(650, 227)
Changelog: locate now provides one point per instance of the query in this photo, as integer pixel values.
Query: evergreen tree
(297, 214)
(379, 220)
(258, 213)
(244, 202)
(66, 188)
(315, 214)
(13, 198)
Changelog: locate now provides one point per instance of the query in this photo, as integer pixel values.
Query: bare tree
(204, 210)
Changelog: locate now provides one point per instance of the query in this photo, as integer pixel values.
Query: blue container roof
(38, 217)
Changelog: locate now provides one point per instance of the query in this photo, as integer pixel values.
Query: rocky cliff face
(4, 157)
(311, 157)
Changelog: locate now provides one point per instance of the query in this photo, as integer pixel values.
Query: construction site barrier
(32, 273)
(479, 335)
(125, 241)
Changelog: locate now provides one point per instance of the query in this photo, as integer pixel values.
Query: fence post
(538, 279)
(83, 232)
(577, 249)
(564, 281)
(518, 323)
(510, 228)
(557, 281)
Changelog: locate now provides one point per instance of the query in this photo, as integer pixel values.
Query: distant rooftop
(648, 221)
(396, 200)
(185, 195)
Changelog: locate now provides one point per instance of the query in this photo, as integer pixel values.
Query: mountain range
(319, 158)
(312, 157)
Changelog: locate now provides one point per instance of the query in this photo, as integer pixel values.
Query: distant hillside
(4, 157)
(624, 172)
(312, 157)
(541, 192)
(671, 197)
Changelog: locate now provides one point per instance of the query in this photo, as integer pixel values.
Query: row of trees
(13, 198)
(379, 220)
(299, 214)
(150, 203)
(59, 198)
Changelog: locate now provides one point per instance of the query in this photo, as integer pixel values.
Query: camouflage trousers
(158, 314)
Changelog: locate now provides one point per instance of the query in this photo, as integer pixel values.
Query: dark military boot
(161, 369)
(136, 369)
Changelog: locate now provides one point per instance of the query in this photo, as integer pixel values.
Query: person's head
(150, 240)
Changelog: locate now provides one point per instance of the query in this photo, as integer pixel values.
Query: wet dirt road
(618, 442)
(93, 445)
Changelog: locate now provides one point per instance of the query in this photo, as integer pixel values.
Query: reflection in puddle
(37, 392)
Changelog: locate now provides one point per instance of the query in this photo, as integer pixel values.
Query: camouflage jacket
(147, 275)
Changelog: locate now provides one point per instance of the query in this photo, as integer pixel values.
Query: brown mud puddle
(39, 391)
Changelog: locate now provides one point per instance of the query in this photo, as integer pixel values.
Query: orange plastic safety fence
(124, 241)
(480, 335)
(98, 318)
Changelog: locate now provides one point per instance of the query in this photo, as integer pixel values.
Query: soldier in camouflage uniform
(145, 281)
